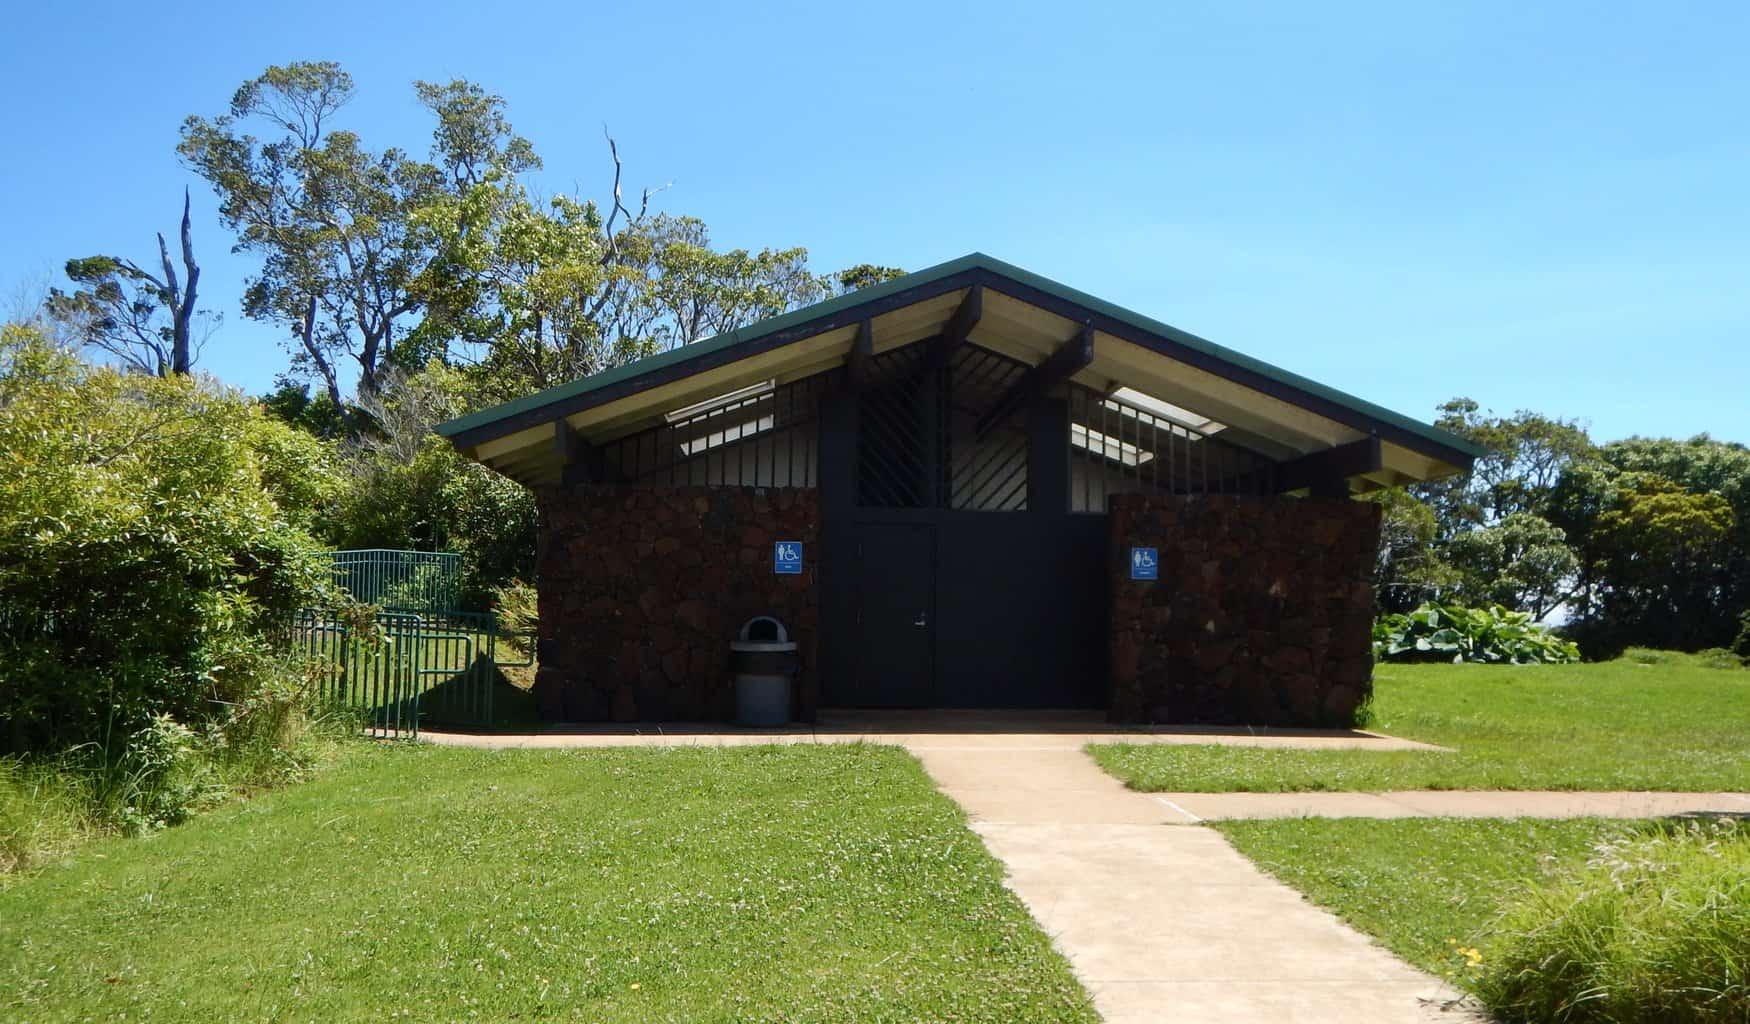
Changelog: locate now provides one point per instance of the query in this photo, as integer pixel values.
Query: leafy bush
(439, 501)
(148, 550)
(517, 605)
(1490, 635)
(161, 776)
(1655, 928)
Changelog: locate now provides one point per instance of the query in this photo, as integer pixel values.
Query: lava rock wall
(1262, 613)
(643, 588)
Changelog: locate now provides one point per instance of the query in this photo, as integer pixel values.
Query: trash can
(765, 663)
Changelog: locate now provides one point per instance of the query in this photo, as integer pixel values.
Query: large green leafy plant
(1447, 633)
(151, 543)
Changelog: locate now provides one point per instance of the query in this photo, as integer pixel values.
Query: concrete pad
(1456, 804)
(1029, 730)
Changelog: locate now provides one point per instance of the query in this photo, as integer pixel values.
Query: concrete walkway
(1190, 808)
(1170, 924)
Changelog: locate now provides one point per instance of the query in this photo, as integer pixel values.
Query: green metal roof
(1293, 382)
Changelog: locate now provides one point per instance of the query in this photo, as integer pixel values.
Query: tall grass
(1655, 928)
(158, 775)
(44, 813)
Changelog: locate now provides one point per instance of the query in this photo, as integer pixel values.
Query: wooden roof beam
(960, 325)
(1326, 473)
(859, 365)
(580, 462)
(1069, 359)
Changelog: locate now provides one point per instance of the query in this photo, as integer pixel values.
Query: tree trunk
(181, 300)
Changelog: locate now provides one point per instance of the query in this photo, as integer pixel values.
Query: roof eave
(975, 268)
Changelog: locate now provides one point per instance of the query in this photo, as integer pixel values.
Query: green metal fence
(417, 580)
(402, 669)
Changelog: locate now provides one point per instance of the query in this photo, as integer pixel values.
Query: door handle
(920, 620)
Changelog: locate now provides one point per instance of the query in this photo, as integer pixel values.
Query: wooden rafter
(1326, 473)
(579, 461)
(960, 325)
(860, 363)
(1069, 359)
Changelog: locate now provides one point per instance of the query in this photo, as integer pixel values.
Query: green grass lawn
(691, 884)
(1579, 920)
(1422, 887)
(1607, 726)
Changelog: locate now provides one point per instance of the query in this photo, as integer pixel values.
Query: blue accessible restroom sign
(787, 558)
(1145, 564)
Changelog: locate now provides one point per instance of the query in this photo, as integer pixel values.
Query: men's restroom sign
(1145, 564)
(787, 558)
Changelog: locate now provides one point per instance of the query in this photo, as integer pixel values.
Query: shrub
(1446, 633)
(161, 775)
(517, 605)
(147, 552)
(439, 501)
(1655, 928)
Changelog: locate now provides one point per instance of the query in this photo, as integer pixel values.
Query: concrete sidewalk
(1190, 808)
(1170, 924)
(1052, 730)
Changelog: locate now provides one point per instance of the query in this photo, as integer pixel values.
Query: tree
(408, 488)
(143, 319)
(1524, 457)
(863, 275)
(1410, 570)
(344, 268)
(1660, 529)
(693, 291)
(546, 293)
(1520, 562)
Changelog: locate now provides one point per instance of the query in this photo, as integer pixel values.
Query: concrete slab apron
(1164, 922)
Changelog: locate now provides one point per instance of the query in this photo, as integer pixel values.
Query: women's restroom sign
(1145, 564)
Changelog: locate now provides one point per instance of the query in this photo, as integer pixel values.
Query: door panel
(1021, 611)
(896, 615)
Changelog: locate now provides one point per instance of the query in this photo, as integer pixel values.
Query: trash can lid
(762, 633)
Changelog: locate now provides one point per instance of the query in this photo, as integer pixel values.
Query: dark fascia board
(967, 271)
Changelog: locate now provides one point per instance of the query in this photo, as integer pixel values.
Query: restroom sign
(1145, 564)
(787, 558)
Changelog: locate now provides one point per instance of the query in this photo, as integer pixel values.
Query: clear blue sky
(1537, 205)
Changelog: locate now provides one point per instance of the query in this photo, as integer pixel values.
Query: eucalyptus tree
(144, 319)
(345, 268)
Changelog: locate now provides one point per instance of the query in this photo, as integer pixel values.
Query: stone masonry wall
(642, 589)
(1262, 614)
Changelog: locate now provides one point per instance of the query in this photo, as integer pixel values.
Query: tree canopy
(1644, 541)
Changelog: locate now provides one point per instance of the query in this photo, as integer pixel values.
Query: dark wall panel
(1021, 611)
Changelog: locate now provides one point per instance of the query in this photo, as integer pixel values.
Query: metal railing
(429, 580)
(401, 669)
